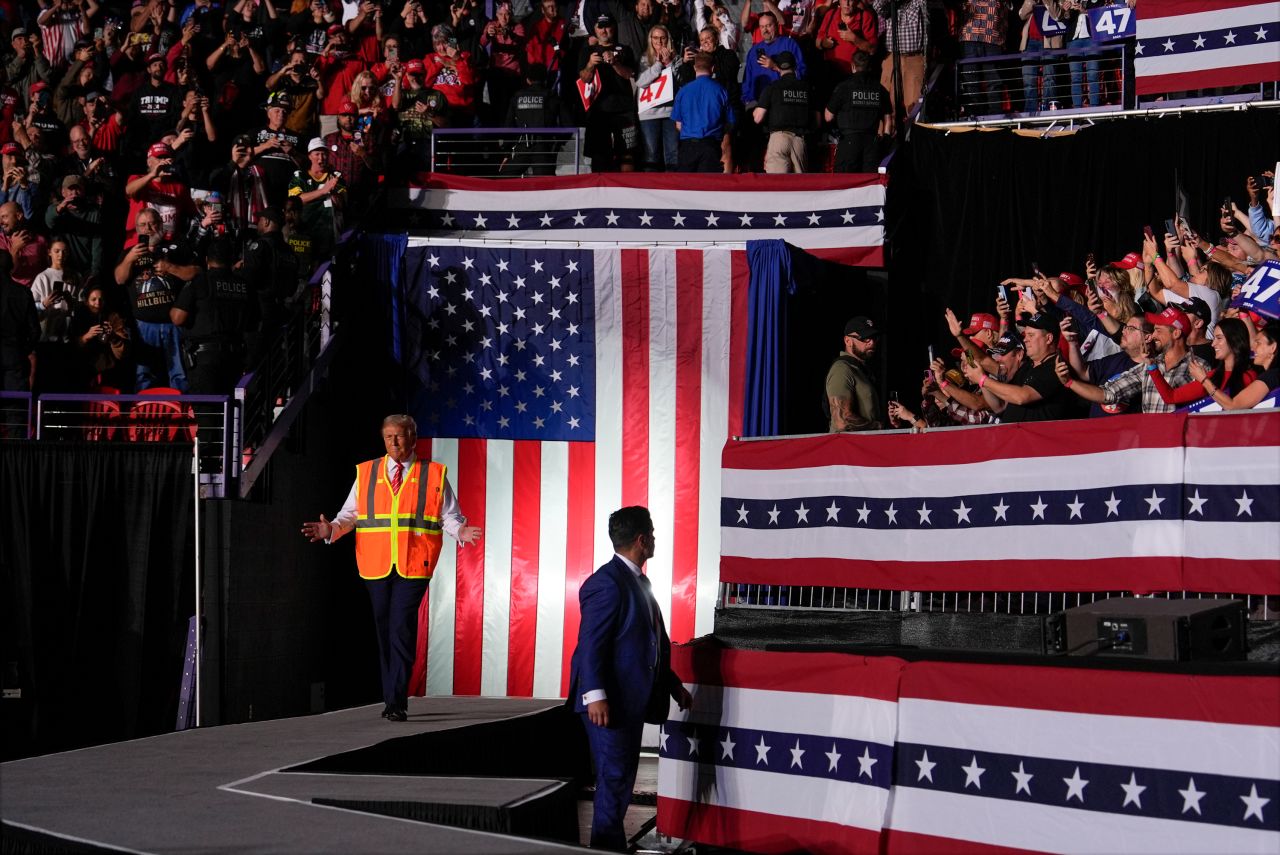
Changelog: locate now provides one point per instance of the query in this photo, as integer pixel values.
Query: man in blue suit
(621, 675)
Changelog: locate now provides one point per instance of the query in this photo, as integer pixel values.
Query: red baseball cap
(979, 321)
(349, 108)
(38, 86)
(415, 66)
(160, 149)
(11, 148)
(1129, 262)
(1071, 280)
(334, 29)
(154, 57)
(1172, 316)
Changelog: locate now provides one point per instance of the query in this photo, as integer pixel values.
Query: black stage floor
(229, 789)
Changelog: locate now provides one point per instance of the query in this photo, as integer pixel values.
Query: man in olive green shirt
(851, 397)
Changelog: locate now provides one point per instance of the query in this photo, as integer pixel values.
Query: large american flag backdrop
(791, 752)
(837, 217)
(1139, 503)
(559, 384)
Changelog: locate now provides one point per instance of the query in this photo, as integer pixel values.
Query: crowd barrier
(506, 152)
(1139, 504)
(1034, 82)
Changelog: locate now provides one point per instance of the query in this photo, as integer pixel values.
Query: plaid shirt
(960, 414)
(984, 21)
(1137, 380)
(913, 16)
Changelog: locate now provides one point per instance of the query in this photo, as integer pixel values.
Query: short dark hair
(626, 524)
(220, 251)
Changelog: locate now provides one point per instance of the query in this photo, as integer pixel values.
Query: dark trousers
(615, 757)
(857, 152)
(700, 155)
(395, 602)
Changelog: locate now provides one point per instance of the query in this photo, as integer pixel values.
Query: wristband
(944, 384)
(1070, 380)
(1102, 315)
(1153, 367)
(983, 381)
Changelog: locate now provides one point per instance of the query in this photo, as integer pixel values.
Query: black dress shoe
(397, 715)
(386, 710)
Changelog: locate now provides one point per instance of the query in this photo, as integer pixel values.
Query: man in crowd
(152, 290)
(1033, 392)
(1165, 350)
(161, 189)
(323, 194)
(275, 146)
(77, 218)
(703, 118)
(852, 399)
(28, 249)
(760, 65)
(786, 108)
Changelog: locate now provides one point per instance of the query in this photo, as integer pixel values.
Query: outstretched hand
(468, 534)
(316, 531)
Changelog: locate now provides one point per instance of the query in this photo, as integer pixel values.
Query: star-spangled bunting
(1058, 782)
(763, 219)
(1200, 502)
(505, 343)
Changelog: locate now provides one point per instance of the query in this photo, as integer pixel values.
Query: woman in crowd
(1232, 373)
(102, 339)
(1264, 356)
(657, 129)
(57, 293)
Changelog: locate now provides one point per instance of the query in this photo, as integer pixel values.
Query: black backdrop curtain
(967, 209)
(95, 563)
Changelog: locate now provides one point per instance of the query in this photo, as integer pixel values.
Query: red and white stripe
(670, 361)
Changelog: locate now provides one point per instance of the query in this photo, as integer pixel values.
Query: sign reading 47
(1261, 291)
(1108, 23)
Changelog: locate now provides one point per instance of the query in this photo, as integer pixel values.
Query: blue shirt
(755, 78)
(702, 109)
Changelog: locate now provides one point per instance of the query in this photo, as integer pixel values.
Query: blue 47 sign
(1108, 23)
(1261, 291)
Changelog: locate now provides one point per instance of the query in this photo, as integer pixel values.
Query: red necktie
(397, 476)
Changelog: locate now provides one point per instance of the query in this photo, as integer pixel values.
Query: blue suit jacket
(620, 649)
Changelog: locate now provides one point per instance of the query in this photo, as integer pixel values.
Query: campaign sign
(1108, 23)
(657, 93)
(1261, 291)
(1049, 25)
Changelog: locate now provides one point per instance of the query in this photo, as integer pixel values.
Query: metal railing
(15, 415)
(506, 152)
(1032, 83)
(149, 418)
(829, 598)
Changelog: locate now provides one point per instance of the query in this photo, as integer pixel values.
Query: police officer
(859, 106)
(534, 106)
(215, 310)
(787, 109)
(270, 267)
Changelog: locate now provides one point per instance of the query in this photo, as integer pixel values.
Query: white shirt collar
(627, 561)
(391, 464)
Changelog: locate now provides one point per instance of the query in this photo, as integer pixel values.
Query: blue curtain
(771, 283)
(382, 260)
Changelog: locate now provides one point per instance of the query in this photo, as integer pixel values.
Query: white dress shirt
(451, 518)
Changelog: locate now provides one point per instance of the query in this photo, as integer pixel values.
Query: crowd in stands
(1160, 329)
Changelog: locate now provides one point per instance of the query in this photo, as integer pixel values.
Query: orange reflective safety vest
(398, 530)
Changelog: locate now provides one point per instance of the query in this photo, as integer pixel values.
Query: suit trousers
(615, 756)
(395, 602)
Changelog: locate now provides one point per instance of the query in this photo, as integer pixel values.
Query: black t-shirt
(221, 306)
(789, 105)
(1055, 399)
(534, 107)
(1271, 377)
(858, 104)
(151, 295)
(1203, 352)
(155, 111)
